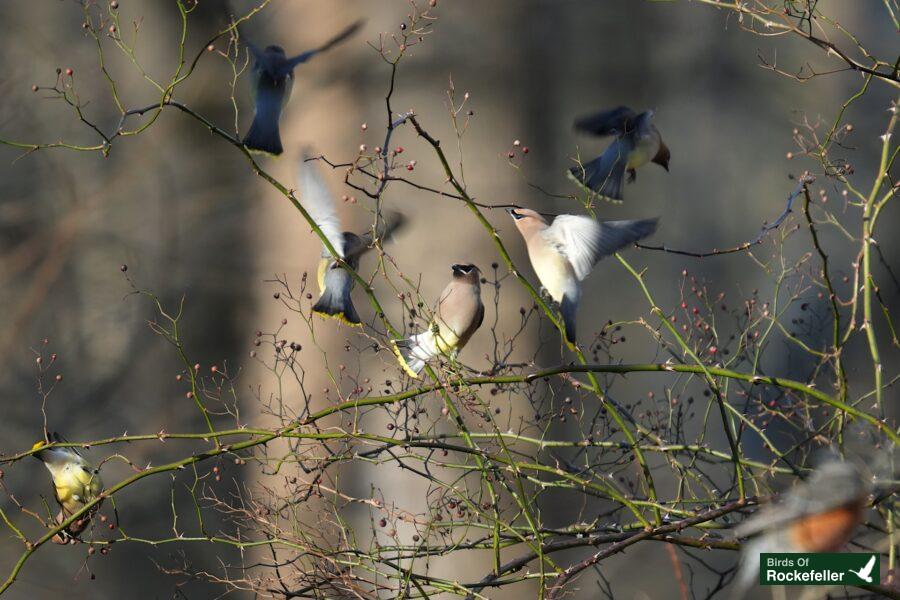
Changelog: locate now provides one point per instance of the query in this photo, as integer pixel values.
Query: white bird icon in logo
(866, 572)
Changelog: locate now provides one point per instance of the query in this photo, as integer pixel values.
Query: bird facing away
(335, 282)
(564, 252)
(817, 515)
(272, 78)
(75, 483)
(637, 142)
(458, 315)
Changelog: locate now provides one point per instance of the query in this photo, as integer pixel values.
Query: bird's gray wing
(615, 121)
(578, 238)
(59, 439)
(340, 37)
(615, 235)
(319, 203)
(388, 225)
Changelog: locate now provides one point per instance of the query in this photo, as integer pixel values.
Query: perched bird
(458, 315)
(564, 252)
(335, 282)
(818, 515)
(272, 79)
(75, 483)
(637, 143)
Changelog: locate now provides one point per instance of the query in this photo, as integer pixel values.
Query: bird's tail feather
(605, 175)
(337, 304)
(264, 135)
(414, 352)
(569, 307)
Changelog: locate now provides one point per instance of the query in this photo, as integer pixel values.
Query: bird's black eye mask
(463, 269)
(512, 212)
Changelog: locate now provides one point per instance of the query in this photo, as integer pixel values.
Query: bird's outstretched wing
(615, 121)
(305, 56)
(319, 202)
(615, 235)
(388, 225)
(866, 571)
(578, 238)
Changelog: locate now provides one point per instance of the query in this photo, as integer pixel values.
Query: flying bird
(335, 282)
(637, 142)
(818, 515)
(272, 80)
(564, 253)
(458, 315)
(75, 483)
(866, 572)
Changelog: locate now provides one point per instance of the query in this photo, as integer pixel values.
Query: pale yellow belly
(75, 488)
(553, 270)
(645, 151)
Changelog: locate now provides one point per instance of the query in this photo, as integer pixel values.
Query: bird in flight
(335, 281)
(272, 80)
(866, 572)
(817, 515)
(564, 252)
(637, 142)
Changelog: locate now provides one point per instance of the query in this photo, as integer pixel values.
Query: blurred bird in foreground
(818, 515)
(564, 252)
(458, 314)
(272, 80)
(335, 282)
(75, 484)
(637, 142)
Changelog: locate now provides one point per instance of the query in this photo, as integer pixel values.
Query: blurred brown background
(183, 211)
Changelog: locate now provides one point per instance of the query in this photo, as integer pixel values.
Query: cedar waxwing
(272, 79)
(563, 254)
(75, 483)
(459, 313)
(637, 143)
(818, 515)
(335, 282)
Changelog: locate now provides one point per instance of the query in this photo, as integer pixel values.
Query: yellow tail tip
(403, 364)
(38, 444)
(339, 316)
